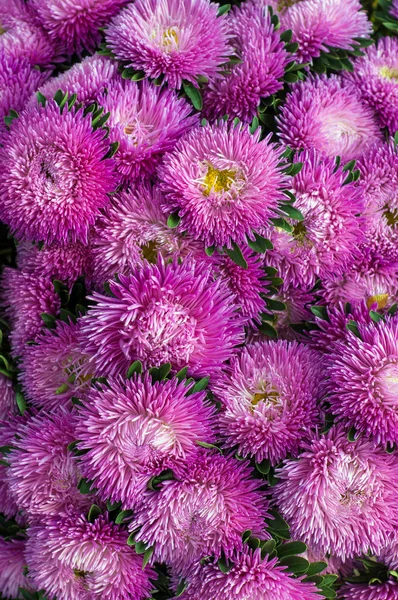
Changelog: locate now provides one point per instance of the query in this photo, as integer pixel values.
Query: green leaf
(316, 567)
(350, 165)
(327, 592)
(294, 169)
(282, 224)
(286, 36)
(375, 316)
(147, 556)
(140, 547)
(173, 221)
(199, 385)
(254, 543)
(290, 77)
(275, 305)
(135, 367)
(224, 565)
(254, 125)
(58, 96)
(93, 513)
(292, 47)
(396, 138)
(182, 586)
(49, 320)
(113, 148)
(235, 254)
(66, 316)
(182, 374)
(321, 312)
(352, 434)
(62, 389)
(41, 99)
(110, 506)
(292, 212)
(278, 525)
(100, 120)
(193, 94)
(154, 483)
(122, 516)
(72, 101)
(291, 549)
(131, 538)
(263, 467)
(138, 76)
(246, 535)
(267, 547)
(295, 564)
(208, 446)
(163, 371)
(329, 580)
(210, 250)
(390, 448)
(268, 330)
(21, 402)
(353, 327)
(84, 486)
(5, 449)
(259, 244)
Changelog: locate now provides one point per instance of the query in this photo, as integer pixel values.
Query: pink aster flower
(325, 242)
(73, 559)
(269, 395)
(379, 177)
(179, 39)
(146, 120)
(24, 298)
(250, 577)
(163, 313)
(223, 182)
(43, 473)
(54, 369)
(136, 429)
(363, 380)
(8, 405)
(375, 77)
(259, 74)
(132, 231)
(318, 25)
(12, 562)
(340, 497)
(8, 429)
(379, 591)
(204, 512)
(21, 35)
(88, 79)
(55, 176)
(321, 113)
(75, 25)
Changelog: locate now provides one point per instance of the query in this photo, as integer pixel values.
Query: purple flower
(204, 512)
(223, 182)
(250, 577)
(8, 505)
(163, 313)
(377, 591)
(259, 74)
(75, 25)
(379, 178)
(54, 368)
(72, 558)
(132, 231)
(340, 497)
(8, 405)
(375, 77)
(363, 380)
(322, 113)
(54, 176)
(12, 562)
(394, 9)
(24, 298)
(43, 473)
(179, 39)
(269, 395)
(325, 242)
(318, 25)
(134, 430)
(146, 120)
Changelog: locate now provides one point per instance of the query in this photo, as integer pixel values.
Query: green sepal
(193, 94)
(93, 513)
(135, 367)
(173, 220)
(235, 254)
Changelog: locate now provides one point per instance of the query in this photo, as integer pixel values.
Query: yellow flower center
(285, 4)
(79, 574)
(391, 216)
(389, 73)
(268, 397)
(218, 181)
(149, 251)
(380, 299)
(299, 232)
(170, 38)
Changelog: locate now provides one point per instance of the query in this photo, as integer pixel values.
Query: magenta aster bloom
(75, 25)
(325, 242)
(340, 497)
(55, 176)
(223, 182)
(363, 380)
(380, 591)
(54, 369)
(88, 79)
(250, 577)
(8, 428)
(12, 563)
(136, 429)
(204, 512)
(43, 473)
(163, 313)
(319, 25)
(269, 395)
(379, 177)
(21, 36)
(179, 39)
(8, 405)
(321, 113)
(263, 61)
(133, 231)
(24, 298)
(73, 559)
(375, 77)
(146, 120)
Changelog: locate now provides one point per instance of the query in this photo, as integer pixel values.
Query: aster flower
(325, 242)
(163, 313)
(223, 182)
(43, 473)
(379, 591)
(259, 74)
(12, 563)
(250, 577)
(54, 368)
(340, 497)
(379, 178)
(375, 77)
(8, 506)
(363, 376)
(269, 395)
(394, 9)
(179, 39)
(202, 513)
(132, 231)
(75, 25)
(318, 25)
(146, 120)
(322, 113)
(21, 35)
(8, 404)
(55, 176)
(24, 298)
(72, 559)
(88, 79)
(134, 430)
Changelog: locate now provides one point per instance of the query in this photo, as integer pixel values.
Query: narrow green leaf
(154, 483)
(21, 402)
(49, 320)
(173, 221)
(210, 250)
(182, 586)
(224, 565)
(353, 327)
(282, 224)
(208, 446)
(62, 389)
(350, 165)
(291, 549)
(72, 101)
(58, 96)
(294, 169)
(113, 148)
(259, 244)
(396, 138)
(264, 466)
(321, 312)
(316, 567)
(122, 516)
(292, 212)
(268, 330)
(286, 36)
(100, 121)
(246, 535)
(163, 371)
(182, 374)
(235, 254)
(254, 125)
(93, 513)
(375, 316)
(351, 435)
(84, 486)
(140, 547)
(275, 305)
(131, 538)
(41, 99)
(147, 556)
(199, 385)
(193, 94)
